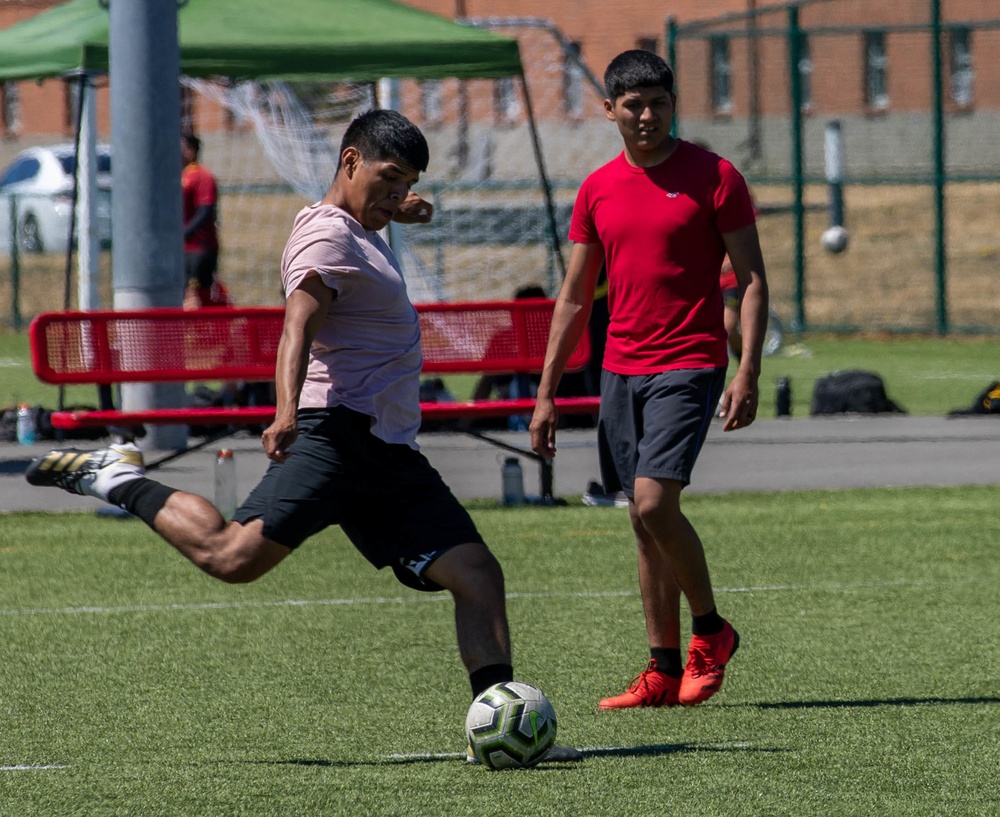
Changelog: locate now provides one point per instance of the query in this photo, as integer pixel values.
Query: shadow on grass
(935, 701)
(14, 466)
(653, 750)
(659, 749)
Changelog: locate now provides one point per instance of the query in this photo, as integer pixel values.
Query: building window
(647, 44)
(431, 101)
(720, 70)
(805, 73)
(10, 108)
(506, 105)
(960, 65)
(573, 79)
(876, 71)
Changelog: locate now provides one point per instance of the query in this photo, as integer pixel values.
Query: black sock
(708, 624)
(668, 660)
(485, 677)
(141, 497)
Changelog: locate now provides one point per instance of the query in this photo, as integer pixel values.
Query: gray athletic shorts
(654, 425)
(388, 499)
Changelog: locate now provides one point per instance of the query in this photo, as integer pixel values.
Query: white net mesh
(273, 146)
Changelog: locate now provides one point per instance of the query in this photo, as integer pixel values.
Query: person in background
(199, 194)
(662, 216)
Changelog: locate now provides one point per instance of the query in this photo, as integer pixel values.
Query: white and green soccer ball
(511, 726)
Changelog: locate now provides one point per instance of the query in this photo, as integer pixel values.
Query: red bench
(174, 345)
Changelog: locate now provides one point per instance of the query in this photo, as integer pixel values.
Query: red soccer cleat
(706, 665)
(649, 688)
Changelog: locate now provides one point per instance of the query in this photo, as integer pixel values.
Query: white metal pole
(88, 257)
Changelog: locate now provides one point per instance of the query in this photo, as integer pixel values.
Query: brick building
(867, 62)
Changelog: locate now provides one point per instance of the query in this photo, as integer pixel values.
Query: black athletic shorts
(388, 499)
(201, 266)
(654, 425)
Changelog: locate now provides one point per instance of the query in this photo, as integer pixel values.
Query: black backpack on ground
(853, 391)
(988, 402)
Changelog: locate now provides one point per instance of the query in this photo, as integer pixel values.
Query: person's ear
(350, 161)
(609, 109)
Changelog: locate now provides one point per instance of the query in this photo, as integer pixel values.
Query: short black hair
(637, 69)
(192, 141)
(384, 135)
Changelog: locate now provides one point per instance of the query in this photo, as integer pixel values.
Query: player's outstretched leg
(474, 578)
(91, 473)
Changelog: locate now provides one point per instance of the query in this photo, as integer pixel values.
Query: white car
(39, 182)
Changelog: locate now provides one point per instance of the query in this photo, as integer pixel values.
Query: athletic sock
(668, 660)
(708, 624)
(141, 497)
(485, 677)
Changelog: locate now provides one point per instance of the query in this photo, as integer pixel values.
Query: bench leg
(546, 472)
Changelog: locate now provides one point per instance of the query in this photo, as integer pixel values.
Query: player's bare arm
(414, 210)
(740, 401)
(569, 322)
(304, 312)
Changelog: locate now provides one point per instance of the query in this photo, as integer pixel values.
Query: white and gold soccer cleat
(91, 473)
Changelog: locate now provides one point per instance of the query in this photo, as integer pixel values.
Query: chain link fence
(911, 88)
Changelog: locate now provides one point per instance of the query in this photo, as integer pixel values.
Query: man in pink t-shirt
(661, 217)
(342, 445)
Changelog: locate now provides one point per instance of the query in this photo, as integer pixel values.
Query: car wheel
(31, 235)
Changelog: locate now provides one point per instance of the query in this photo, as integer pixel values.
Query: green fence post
(437, 191)
(15, 268)
(798, 209)
(940, 252)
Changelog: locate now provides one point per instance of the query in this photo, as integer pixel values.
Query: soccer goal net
(501, 214)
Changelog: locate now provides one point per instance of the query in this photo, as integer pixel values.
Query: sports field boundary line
(29, 767)
(831, 587)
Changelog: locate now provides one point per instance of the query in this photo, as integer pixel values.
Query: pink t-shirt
(661, 228)
(366, 355)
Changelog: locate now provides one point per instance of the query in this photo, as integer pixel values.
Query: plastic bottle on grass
(26, 424)
(225, 483)
(513, 482)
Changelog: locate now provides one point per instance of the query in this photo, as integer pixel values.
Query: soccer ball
(511, 726)
(834, 239)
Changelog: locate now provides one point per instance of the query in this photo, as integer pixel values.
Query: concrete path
(772, 455)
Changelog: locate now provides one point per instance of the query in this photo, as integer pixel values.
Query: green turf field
(866, 685)
(926, 375)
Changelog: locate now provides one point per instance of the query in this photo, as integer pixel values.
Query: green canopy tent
(360, 40)
(363, 40)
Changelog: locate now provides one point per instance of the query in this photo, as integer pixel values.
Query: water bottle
(25, 424)
(225, 483)
(513, 482)
(783, 398)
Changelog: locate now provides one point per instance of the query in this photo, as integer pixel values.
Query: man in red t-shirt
(201, 238)
(661, 216)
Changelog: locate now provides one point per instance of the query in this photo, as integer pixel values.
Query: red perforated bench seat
(173, 345)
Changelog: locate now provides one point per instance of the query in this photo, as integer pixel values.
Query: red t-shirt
(198, 190)
(661, 228)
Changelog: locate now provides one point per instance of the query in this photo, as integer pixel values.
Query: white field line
(27, 768)
(836, 587)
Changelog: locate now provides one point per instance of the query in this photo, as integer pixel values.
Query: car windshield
(68, 163)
